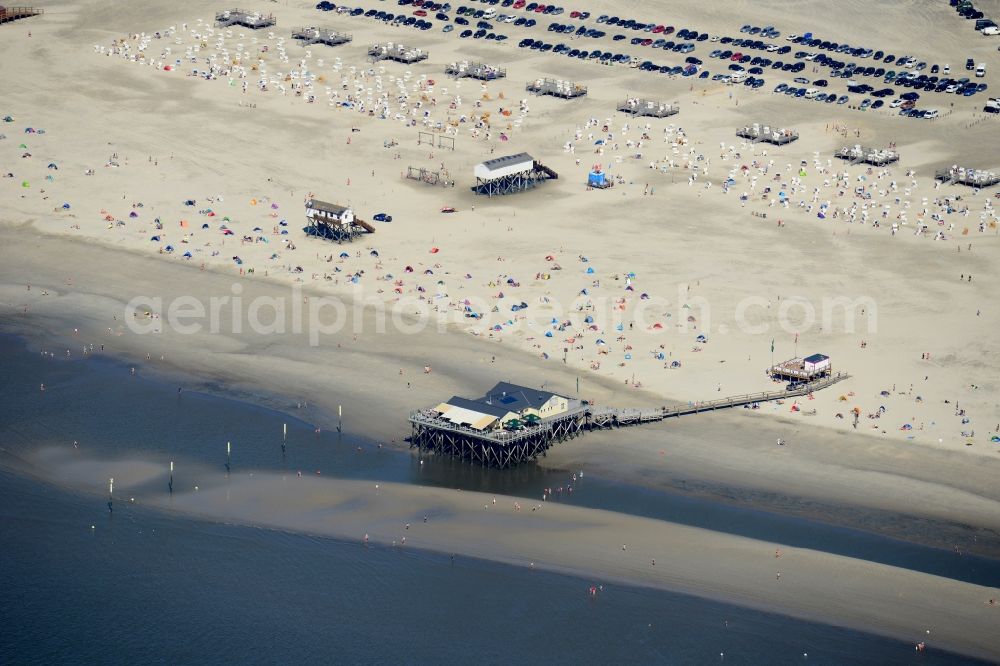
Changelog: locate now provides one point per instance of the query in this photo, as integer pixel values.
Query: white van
(738, 77)
(981, 70)
(812, 92)
(489, 14)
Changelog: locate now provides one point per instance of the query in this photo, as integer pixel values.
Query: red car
(539, 9)
(646, 42)
(574, 14)
(658, 29)
(519, 4)
(420, 12)
(736, 57)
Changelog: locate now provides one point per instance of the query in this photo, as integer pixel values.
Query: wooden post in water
(111, 495)
(170, 483)
(228, 456)
(340, 418)
(284, 436)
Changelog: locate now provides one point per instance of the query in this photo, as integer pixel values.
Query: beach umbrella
(65, 206)
(25, 184)
(549, 257)
(274, 206)
(548, 334)
(257, 229)
(155, 239)
(675, 364)
(701, 338)
(644, 296)
(600, 342)
(657, 325)
(133, 214)
(344, 255)
(187, 255)
(428, 272)
(590, 270)
(29, 130)
(205, 226)
(52, 165)
(226, 219)
(435, 250)
(23, 146)
(620, 327)
(408, 269)
(374, 253)
(169, 248)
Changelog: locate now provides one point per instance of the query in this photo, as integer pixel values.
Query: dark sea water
(144, 586)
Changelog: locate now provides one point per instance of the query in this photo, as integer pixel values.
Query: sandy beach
(139, 186)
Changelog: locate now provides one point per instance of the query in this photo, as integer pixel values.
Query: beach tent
(25, 184)
(189, 202)
(52, 165)
(187, 255)
(274, 206)
(644, 296)
(675, 364)
(590, 270)
(701, 338)
(169, 248)
(588, 320)
(374, 253)
(548, 334)
(155, 239)
(65, 206)
(133, 214)
(344, 255)
(205, 226)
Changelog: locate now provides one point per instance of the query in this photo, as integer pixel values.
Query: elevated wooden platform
(858, 154)
(475, 70)
(965, 176)
(8, 14)
(504, 449)
(778, 136)
(646, 107)
(313, 35)
(244, 17)
(397, 52)
(556, 88)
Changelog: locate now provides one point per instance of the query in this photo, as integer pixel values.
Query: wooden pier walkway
(606, 417)
(8, 14)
